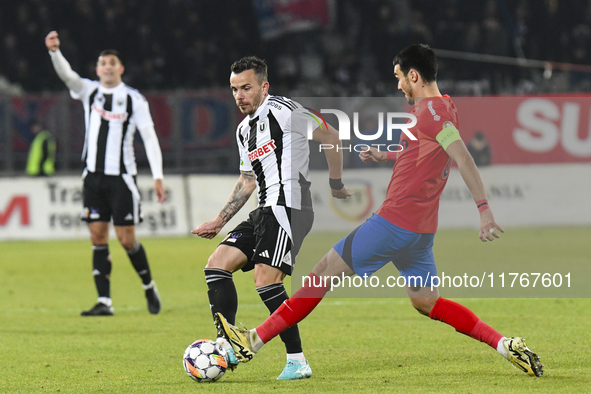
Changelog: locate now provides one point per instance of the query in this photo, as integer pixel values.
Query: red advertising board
(528, 130)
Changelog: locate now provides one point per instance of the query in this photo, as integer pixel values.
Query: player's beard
(409, 94)
(256, 103)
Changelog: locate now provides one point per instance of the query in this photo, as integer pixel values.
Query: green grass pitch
(354, 345)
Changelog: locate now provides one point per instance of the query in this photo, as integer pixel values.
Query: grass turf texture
(354, 345)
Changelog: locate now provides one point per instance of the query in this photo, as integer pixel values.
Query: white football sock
(224, 343)
(501, 348)
(255, 340)
(105, 300)
(299, 357)
(149, 285)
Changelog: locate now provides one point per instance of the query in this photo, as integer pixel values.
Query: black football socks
(222, 294)
(101, 270)
(139, 260)
(273, 296)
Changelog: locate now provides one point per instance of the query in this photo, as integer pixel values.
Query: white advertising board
(520, 195)
(50, 208)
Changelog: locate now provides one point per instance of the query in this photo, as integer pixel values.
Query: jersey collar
(111, 90)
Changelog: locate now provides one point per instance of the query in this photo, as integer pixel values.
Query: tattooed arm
(242, 191)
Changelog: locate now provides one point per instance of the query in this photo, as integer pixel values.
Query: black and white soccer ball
(205, 360)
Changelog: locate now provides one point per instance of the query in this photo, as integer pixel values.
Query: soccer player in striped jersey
(112, 113)
(403, 228)
(273, 145)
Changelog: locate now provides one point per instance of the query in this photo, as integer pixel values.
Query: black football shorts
(271, 236)
(106, 196)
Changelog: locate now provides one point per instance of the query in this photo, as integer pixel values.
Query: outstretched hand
(488, 226)
(209, 230)
(52, 42)
(373, 154)
(341, 194)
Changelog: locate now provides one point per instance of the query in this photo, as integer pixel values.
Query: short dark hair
(420, 57)
(113, 52)
(259, 66)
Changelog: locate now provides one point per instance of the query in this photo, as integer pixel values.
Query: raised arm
(459, 153)
(61, 65)
(334, 158)
(242, 190)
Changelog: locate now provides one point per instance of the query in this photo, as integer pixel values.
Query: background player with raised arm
(112, 113)
(274, 154)
(403, 228)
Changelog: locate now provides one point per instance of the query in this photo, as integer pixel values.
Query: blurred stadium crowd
(347, 50)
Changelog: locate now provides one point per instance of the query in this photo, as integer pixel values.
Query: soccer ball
(205, 361)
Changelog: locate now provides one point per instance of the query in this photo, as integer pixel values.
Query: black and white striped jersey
(273, 143)
(112, 116)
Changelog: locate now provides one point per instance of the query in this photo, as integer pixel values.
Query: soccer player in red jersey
(403, 228)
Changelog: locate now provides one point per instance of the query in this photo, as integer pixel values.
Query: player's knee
(127, 242)
(127, 245)
(227, 258)
(265, 275)
(212, 262)
(266, 280)
(96, 240)
(99, 238)
(217, 261)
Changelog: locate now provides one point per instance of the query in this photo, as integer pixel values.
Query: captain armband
(448, 135)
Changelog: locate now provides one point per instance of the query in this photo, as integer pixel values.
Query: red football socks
(464, 321)
(309, 296)
(295, 309)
